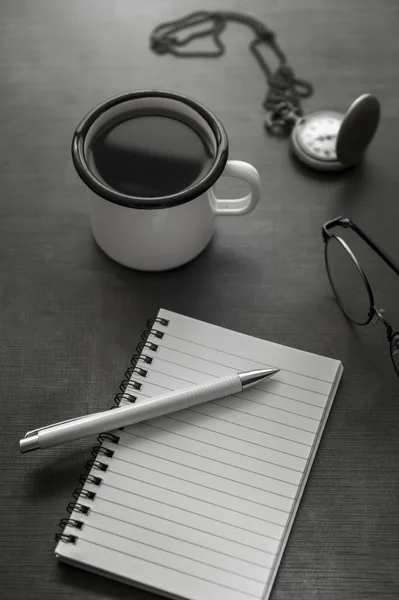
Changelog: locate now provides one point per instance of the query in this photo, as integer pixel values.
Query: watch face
(317, 135)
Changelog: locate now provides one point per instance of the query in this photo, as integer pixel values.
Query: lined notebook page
(199, 504)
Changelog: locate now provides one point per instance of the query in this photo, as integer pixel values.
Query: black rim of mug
(103, 190)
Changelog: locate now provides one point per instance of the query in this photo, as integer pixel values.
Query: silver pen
(79, 427)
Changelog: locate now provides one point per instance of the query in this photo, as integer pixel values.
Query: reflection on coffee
(150, 156)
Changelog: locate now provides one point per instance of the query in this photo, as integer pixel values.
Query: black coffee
(150, 156)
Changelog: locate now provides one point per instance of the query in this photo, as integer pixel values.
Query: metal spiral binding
(97, 450)
(71, 523)
(78, 507)
(110, 437)
(96, 464)
(101, 450)
(89, 479)
(67, 538)
(141, 356)
(80, 493)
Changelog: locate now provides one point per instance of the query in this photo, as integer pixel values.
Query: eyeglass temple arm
(344, 222)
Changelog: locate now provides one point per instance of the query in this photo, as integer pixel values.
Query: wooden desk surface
(70, 317)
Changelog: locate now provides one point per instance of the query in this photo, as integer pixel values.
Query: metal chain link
(285, 91)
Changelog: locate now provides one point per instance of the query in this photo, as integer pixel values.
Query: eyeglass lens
(347, 281)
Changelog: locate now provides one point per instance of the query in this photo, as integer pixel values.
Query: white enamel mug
(160, 233)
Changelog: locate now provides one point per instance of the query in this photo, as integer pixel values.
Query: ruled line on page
(214, 362)
(235, 370)
(164, 387)
(161, 487)
(133, 449)
(169, 552)
(174, 537)
(169, 568)
(215, 403)
(290, 412)
(208, 487)
(222, 537)
(149, 382)
(152, 370)
(148, 424)
(234, 424)
(274, 463)
(241, 439)
(135, 392)
(251, 428)
(198, 514)
(218, 420)
(243, 357)
(255, 387)
(159, 358)
(215, 459)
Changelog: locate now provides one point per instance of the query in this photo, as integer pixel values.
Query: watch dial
(317, 135)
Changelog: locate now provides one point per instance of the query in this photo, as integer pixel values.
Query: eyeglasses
(350, 284)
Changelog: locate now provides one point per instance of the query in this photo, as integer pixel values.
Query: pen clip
(35, 431)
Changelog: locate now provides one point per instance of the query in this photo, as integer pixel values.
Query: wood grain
(70, 317)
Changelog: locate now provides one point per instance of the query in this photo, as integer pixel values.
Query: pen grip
(230, 384)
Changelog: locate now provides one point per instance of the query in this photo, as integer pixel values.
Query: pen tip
(250, 378)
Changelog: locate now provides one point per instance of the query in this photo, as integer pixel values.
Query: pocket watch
(327, 140)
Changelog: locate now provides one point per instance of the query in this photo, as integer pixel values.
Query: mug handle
(239, 206)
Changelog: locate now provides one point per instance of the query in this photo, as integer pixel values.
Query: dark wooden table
(70, 317)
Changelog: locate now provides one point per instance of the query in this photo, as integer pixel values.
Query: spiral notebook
(199, 504)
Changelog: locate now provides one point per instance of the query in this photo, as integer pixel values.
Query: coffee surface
(149, 156)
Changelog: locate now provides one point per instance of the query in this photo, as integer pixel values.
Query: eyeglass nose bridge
(377, 316)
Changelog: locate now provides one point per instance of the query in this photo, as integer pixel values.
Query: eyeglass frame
(374, 314)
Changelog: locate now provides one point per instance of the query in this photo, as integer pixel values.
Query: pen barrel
(129, 415)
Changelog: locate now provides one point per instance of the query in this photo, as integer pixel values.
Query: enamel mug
(163, 232)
